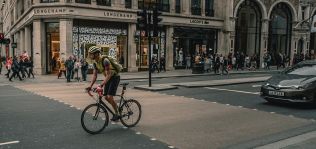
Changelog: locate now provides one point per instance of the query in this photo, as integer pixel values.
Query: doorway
(52, 48)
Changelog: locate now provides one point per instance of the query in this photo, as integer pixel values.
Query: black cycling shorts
(111, 86)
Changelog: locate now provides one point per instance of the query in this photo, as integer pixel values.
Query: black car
(295, 85)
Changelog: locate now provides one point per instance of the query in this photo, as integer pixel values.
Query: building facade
(51, 30)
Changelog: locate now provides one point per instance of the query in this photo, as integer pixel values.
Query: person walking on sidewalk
(8, 65)
(31, 67)
(69, 66)
(0, 63)
(111, 75)
(62, 68)
(16, 68)
(84, 69)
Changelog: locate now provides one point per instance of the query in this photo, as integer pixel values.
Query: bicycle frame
(103, 104)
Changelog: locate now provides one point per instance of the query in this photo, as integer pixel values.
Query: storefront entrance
(52, 47)
(248, 28)
(280, 31)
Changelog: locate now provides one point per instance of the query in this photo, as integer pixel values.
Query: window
(140, 4)
(164, 5)
(178, 6)
(104, 2)
(209, 8)
(196, 7)
(128, 3)
(83, 1)
(49, 1)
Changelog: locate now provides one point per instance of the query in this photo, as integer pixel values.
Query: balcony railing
(195, 10)
(209, 12)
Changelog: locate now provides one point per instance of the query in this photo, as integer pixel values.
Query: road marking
(220, 89)
(171, 146)
(272, 112)
(289, 141)
(12, 142)
(138, 133)
(153, 139)
(254, 86)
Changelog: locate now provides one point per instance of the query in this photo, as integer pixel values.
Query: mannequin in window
(180, 60)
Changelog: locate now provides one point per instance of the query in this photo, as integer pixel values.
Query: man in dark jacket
(69, 66)
(16, 69)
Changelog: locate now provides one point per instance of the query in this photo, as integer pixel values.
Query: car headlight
(267, 84)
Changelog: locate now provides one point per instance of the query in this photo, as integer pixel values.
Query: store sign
(313, 27)
(118, 15)
(49, 10)
(197, 21)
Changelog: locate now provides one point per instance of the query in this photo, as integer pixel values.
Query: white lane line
(254, 86)
(289, 141)
(153, 139)
(171, 146)
(12, 142)
(220, 89)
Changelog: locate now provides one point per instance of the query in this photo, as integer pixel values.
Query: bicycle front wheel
(94, 118)
(130, 112)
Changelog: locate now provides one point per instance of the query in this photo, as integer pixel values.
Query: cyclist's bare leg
(112, 102)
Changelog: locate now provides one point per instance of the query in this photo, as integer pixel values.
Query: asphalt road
(35, 122)
(245, 95)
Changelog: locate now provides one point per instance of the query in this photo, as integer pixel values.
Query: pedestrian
(0, 63)
(162, 64)
(188, 61)
(154, 62)
(16, 68)
(78, 69)
(31, 67)
(69, 67)
(62, 68)
(224, 66)
(84, 69)
(9, 66)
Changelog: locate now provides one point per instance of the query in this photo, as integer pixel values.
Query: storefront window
(196, 7)
(142, 49)
(104, 2)
(190, 42)
(111, 37)
(84, 1)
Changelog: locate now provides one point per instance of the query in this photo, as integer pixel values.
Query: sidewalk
(129, 76)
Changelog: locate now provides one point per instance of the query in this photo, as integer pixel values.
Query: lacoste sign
(197, 21)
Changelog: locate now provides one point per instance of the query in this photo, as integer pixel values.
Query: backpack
(116, 66)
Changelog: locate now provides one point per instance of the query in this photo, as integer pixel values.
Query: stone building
(50, 30)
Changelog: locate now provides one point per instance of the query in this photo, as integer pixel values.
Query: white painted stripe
(254, 86)
(153, 139)
(289, 141)
(220, 89)
(171, 146)
(138, 133)
(12, 142)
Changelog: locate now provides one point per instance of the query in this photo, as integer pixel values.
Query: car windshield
(303, 70)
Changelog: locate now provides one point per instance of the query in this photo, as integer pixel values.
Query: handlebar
(98, 90)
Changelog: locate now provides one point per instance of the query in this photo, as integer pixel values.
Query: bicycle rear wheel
(130, 112)
(94, 118)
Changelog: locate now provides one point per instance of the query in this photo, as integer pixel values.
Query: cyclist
(111, 77)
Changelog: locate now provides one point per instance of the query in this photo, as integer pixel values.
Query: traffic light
(156, 21)
(5, 41)
(142, 19)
